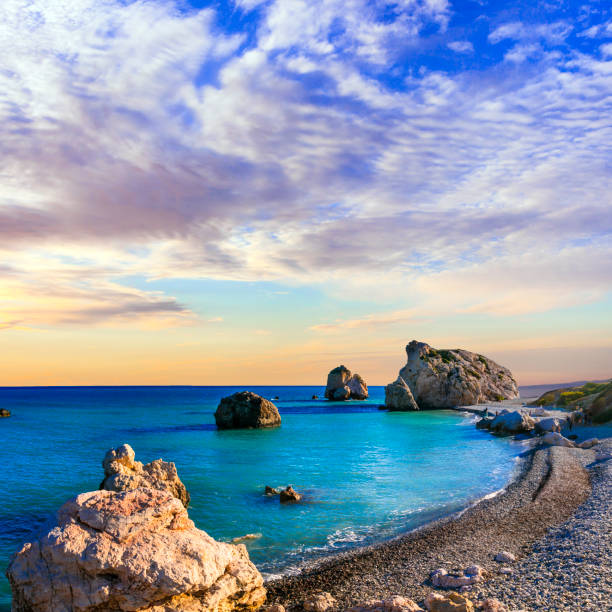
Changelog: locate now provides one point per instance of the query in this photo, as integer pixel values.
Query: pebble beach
(555, 518)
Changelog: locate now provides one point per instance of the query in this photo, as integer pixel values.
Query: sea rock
(589, 443)
(484, 423)
(548, 424)
(4, 413)
(392, 604)
(442, 579)
(134, 550)
(342, 384)
(505, 557)
(246, 410)
(289, 495)
(398, 396)
(508, 423)
(319, 603)
(448, 602)
(492, 605)
(245, 538)
(271, 491)
(552, 438)
(447, 378)
(123, 473)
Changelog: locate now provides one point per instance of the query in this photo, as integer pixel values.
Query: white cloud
(461, 46)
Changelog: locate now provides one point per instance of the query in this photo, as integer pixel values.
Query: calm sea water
(366, 474)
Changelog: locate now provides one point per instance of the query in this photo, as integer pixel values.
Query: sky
(253, 192)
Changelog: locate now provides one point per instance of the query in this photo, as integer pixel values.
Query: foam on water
(366, 474)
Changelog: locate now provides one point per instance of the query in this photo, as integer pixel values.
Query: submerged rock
(392, 604)
(448, 378)
(289, 495)
(271, 491)
(246, 410)
(508, 423)
(123, 473)
(398, 396)
(4, 413)
(319, 603)
(484, 423)
(135, 550)
(342, 384)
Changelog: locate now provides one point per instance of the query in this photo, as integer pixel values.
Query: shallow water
(366, 474)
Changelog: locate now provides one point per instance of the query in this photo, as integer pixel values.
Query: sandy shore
(553, 484)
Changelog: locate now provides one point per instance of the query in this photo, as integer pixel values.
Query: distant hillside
(592, 397)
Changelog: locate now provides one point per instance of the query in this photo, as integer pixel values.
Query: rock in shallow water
(135, 550)
(4, 413)
(246, 410)
(123, 473)
(398, 396)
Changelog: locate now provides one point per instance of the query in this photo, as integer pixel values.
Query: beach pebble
(392, 604)
(505, 557)
(274, 608)
(492, 605)
(319, 603)
(449, 602)
(506, 570)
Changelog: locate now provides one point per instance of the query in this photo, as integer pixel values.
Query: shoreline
(551, 485)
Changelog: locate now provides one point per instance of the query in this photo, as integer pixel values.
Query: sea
(366, 474)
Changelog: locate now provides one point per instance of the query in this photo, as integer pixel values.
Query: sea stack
(342, 384)
(246, 410)
(443, 378)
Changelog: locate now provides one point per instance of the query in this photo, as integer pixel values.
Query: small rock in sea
(289, 495)
(442, 579)
(392, 604)
(123, 473)
(271, 491)
(315, 397)
(589, 443)
(4, 413)
(246, 410)
(449, 602)
(319, 603)
(244, 538)
(484, 423)
(492, 605)
(505, 557)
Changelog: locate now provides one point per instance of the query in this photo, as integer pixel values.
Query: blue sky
(303, 180)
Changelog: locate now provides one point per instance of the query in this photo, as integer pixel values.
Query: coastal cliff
(443, 378)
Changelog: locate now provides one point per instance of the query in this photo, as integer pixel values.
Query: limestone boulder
(321, 602)
(589, 443)
(342, 384)
(398, 396)
(123, 473)
(454, 377)
(391, 604)
(512, 422)
(135, 550)
(448, 602)
(552, 438)
(548, 424)
(246, 410)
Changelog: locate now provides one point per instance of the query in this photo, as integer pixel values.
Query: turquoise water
(366, 474)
